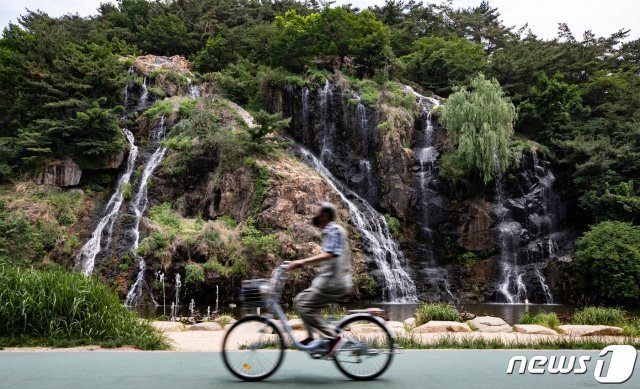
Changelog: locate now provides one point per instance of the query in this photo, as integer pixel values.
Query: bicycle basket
(252, 293)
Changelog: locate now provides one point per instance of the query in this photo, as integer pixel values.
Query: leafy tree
(334, 32)
(214, 57)
(552, 106)
(165, 35)
(268, 123)
(481, 121)
(607, 264)
(440, 64)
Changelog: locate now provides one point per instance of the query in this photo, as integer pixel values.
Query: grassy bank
(61, 309)
(412, 342)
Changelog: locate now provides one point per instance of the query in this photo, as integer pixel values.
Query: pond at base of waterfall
(511, 313)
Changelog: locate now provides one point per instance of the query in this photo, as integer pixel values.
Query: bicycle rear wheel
(368, 351)
(253, 348)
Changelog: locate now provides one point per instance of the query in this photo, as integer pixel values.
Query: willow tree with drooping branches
(481, 120)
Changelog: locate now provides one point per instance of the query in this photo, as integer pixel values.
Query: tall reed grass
(58, 305)
(438, 311)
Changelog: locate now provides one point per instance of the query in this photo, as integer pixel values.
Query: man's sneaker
(334, 345)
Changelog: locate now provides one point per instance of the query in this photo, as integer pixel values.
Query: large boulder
(442, 326)
(113, 161)
(206, 326)
(146, 64)
(167, 326)
(533, 329)
(60, 173)
(358, 329)
(588, 330)
(395, 325)
(491, 324)
(410, 323)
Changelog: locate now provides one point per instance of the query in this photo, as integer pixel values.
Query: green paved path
(472, 369)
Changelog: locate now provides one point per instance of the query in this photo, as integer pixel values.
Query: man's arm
(323, 256)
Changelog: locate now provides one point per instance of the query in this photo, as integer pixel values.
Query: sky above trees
(543, 16)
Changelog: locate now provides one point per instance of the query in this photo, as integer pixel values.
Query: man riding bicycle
(332, 283)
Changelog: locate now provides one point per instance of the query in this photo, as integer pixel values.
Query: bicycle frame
(276, 285)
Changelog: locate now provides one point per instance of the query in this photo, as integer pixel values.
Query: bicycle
(253, 348)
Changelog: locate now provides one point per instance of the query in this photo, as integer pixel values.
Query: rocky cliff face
(194, 213)
(457, 246)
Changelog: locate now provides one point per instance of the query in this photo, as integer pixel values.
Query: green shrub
(365, 283)
(228, 221)
(260, 182)
(607, 264)
(394, 226)
(164, 215)
(187, 107)
(126, 191)
(194, 273)
(223, 320)
(439, 311)
(468, 259)
(600, 316)
(159, 108)
(256, 242)
(549, 320)
(61, 305)
(160, 241)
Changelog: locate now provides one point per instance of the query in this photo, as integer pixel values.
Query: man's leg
(308, 304)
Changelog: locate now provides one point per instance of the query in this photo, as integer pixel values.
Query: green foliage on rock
(606, 264)
(481, 121)
(194, 273)
(394, 226)
(267, 123)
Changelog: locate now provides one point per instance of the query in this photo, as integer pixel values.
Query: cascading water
(193, 90)
(365, 165)
(425, 152)
(397, 284)
(85, 261)
(144, 96)
(526, 246)
(139, 206)
(326, 126)
(305, 106)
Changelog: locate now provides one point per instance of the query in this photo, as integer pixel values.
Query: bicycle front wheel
(368, 351)
(253, 348)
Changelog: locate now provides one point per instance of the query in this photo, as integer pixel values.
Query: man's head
(325, 213)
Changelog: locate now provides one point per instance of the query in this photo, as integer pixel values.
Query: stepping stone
(206, 326)
(533, 329)
(395, 325)
(587, 330)
(167, 326)
(364, 329)
(442, 326)
(491, 324)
